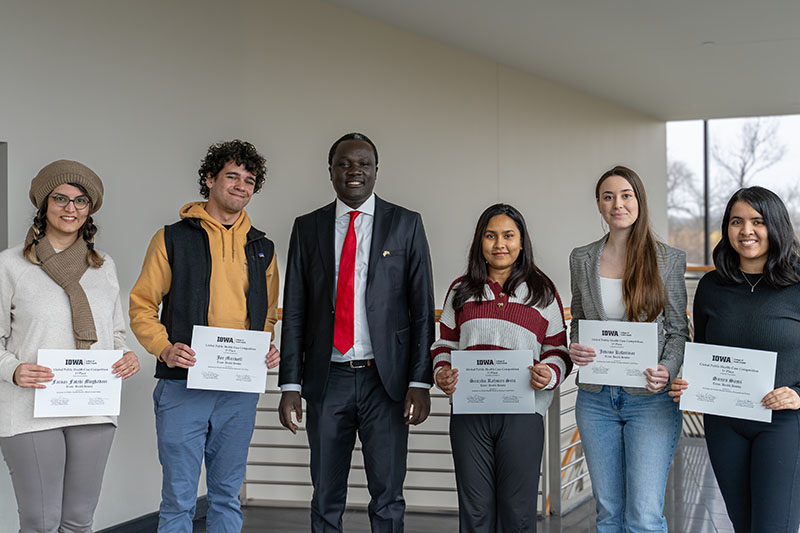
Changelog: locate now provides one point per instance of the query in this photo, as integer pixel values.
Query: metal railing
(278, 473)
(569, 477)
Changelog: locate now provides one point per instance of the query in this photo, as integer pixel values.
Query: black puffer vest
(186, 304)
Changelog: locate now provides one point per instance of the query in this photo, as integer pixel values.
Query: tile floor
(693, 504)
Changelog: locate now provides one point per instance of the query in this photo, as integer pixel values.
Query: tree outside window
(742, 153)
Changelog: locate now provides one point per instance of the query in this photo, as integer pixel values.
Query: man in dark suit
(358, 319)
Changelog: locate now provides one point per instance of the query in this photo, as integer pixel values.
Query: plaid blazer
(673, 325)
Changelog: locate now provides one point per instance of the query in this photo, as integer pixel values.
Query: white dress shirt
(362, 345)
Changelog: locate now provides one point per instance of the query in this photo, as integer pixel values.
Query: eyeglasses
(80, 203)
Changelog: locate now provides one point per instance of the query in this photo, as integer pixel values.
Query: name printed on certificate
(229, 359)
(624, 351)
(728, 381)
(83, 384)
(493, 382)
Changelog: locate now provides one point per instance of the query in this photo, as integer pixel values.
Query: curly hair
(87, 232)
(242, 153)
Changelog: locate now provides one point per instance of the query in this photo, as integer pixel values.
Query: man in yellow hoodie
(212, 268)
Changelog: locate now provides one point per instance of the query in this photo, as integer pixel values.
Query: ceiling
(671, 59)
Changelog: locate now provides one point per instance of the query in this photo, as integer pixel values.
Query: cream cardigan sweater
(34, 314)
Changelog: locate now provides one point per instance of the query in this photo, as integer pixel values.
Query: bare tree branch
(756, 149)
(683, 193)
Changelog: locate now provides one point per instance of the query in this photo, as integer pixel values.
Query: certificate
(229, 359)
(624, 351)
(493, 382)
(728, 381)
(83, 384)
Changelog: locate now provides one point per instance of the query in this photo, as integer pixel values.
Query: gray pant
(57, 475)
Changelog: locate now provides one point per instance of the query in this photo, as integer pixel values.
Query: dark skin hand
(420, 400)
(290, 402)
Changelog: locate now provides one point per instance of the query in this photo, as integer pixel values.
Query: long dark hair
(541, 290)
(642, 288)
(87, 232)
(783, 256)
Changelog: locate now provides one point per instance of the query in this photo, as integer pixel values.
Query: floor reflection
(693, 504)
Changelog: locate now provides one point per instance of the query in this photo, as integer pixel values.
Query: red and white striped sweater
(503, 322)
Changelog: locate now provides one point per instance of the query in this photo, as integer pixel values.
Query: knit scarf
(67, 268)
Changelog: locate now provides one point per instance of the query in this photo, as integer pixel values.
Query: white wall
(138, 89)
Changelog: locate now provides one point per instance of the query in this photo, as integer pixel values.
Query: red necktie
(345, 290)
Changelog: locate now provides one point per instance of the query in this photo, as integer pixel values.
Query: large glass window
(685, 191)
(741, 152)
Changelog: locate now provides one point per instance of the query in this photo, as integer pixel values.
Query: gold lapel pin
(386, 252)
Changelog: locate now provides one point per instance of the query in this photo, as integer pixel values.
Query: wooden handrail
(699, 268)
(567, 315)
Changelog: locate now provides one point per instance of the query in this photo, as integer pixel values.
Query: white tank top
(611, 294)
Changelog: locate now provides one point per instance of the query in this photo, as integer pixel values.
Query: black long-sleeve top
(767, 319)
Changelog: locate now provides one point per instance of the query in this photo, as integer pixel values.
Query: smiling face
(749, 237)
(617, 203)
(63, 223)
(353, 172)
(501, 244)
(230, 190)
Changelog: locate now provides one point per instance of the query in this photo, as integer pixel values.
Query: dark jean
(757, 466)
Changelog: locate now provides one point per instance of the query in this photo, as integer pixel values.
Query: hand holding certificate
(727, 381)
(83, 384)
(493, 382)
(624, 351)
(229, 359)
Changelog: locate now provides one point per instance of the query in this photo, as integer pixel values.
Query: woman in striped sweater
(503, 302)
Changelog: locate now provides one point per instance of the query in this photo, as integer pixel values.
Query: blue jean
(192, 425)
(629, 442)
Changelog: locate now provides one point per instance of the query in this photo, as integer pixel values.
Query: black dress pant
(356, 402)
(757, 465)
(497, 460)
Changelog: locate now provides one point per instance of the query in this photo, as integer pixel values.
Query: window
(742, 152)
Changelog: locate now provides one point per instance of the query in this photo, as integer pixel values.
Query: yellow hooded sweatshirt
(228, 287)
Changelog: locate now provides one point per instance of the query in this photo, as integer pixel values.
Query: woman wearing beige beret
(57, 292)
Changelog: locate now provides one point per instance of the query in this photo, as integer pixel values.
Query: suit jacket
(673, 326)
(399, 300)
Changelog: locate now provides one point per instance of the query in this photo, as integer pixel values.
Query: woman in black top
(752, 300)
